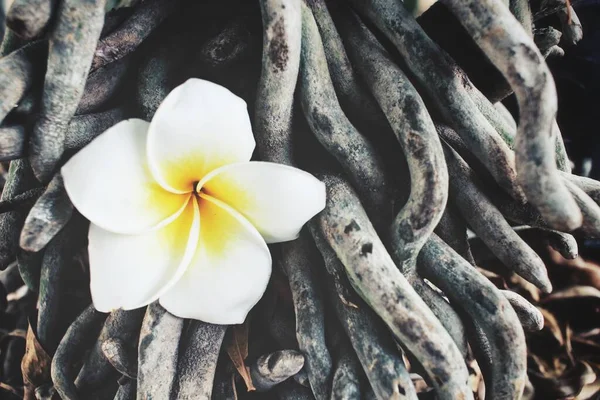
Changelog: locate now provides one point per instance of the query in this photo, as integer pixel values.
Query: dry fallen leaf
(589, 390)
(236, 344)
(527, 287)
(564, 385)
(35, 365)
(552, 325)
(573, 292)
(579, 271)
(11, 389)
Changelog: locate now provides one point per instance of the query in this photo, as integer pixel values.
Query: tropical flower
(179, 213)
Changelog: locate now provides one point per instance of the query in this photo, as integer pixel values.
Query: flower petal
(229, 272)
(130, 271)
(278, 200)
(109, 182)
(199, 126)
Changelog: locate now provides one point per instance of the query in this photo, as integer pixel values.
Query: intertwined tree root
(413, 146)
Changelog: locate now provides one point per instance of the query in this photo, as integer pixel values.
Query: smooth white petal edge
(199, 127)
(109, 182)
(277, 199)
(130, 271)
(229, 272)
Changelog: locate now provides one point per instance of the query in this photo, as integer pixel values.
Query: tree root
(47, 217)
(409, 142)
(438, 77)
(373, 345)
(274, 368)
(489, 308)
(532, 82)
(132, 32)
(331, 126)
(489, 224)
(198, 359)
(17, 71)
(282, 26)
(79, 337)
(29, 18)
(158, 352)
(296, 260)
(349, 232)
(72, 44)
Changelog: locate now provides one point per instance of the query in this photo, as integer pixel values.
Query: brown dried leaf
(566, 385)
(496, 279)
(587, 342)
(527, 287)
(18, 333)
(572, 293)
(35, 364)
(236, 345)
(476, 379)
(420, 385)
(591, 333)
(552, 325)
(590, 390)
(11, 389)
(542, 367)
(235, 395)
(568, 344)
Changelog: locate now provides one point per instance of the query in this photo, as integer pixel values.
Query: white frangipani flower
(179, 213)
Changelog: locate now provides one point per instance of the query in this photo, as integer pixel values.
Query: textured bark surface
(443, 204)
